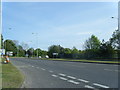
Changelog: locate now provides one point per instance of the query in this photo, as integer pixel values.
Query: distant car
(40, 57)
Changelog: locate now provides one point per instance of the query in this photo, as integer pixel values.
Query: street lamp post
(118, 20)
(5, 43)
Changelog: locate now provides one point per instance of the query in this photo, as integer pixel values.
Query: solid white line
(54, 75)
(87, 86)
(73, 82)
(83, 80)
(71, 77)
(50, 71)
(62, 74)
(63, 78)
(100, 85)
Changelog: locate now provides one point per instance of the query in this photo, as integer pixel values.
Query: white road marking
(63, 78)
(54, 75)
(71, 81)
(103, 86)
(62, 74)
(71, 77)
(115, 65)
(42, 68)
(50, 71)
(107, 69)
(87, 86)
(83, 80)
(37, 67)
(117, 70)
(32, 66)
(111, 70)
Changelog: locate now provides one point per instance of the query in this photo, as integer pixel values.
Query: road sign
(2, 51)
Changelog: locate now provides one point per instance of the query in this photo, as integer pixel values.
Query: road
(61, 74)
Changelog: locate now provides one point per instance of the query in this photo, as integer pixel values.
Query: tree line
(93, 49)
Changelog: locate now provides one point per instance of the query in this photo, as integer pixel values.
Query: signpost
(55, 55)
(2, 52)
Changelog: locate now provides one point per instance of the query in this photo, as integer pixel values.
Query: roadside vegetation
(11, 76)
(94, 49)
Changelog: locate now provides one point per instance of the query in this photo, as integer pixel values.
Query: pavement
(60, 74)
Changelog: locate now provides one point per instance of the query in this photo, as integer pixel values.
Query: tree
(40, 52)
(67, 53)
(92, 43)
(92, 46)
(25, 46)
(21, 51)
(1, 43)
(106, 50)
(10, 46)
(30, 52)
(75, 53)
(115, 40)
(55, 49)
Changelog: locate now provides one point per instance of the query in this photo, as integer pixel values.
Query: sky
(69, 24)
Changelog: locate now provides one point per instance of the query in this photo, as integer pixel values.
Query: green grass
(11, 76)
(95, 61)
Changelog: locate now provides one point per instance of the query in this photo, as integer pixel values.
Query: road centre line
(54, 75)
(42, 68)
(62, 74)
(63, 78)
(71, 77)
(103, 86)
(71, 81)
(37, 67)
(83, 80)
(50, 71)
(87, 86)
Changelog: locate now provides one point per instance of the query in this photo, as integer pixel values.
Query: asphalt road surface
(61, 74)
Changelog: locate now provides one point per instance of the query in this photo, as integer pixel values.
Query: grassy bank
(92, 61)
(11, 76)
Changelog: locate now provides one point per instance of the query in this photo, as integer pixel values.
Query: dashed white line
(71, 81)
(107, 69)
(50, 71)
(54, 75)
(42, 68)
(62, 74)
(71, 77)
(63, 78)
(83, 80)
(111, 70)
(87, 86)
(103, 86)
(117, 70)
(32, 66)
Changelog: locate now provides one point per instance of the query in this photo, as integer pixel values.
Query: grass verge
(91, 61)
(11, 76)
